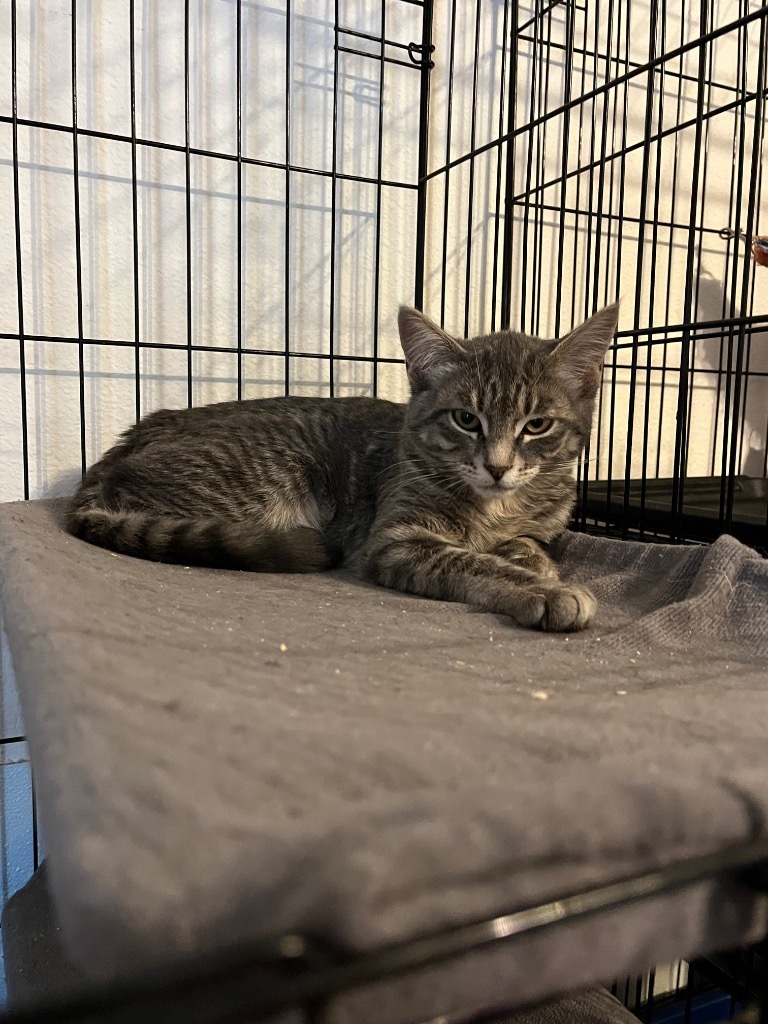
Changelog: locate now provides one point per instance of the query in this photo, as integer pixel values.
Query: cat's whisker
(393, 466)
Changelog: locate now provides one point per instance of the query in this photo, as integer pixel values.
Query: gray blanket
(221, 756)
(37, 969)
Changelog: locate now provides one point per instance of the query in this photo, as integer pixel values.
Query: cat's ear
(579, 356)
(429, 351)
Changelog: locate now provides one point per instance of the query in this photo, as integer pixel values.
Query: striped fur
(214, 543)
(405, 495)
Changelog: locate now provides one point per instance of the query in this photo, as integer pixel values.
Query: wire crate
(203, 200)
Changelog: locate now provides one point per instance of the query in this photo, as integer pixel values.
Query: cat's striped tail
(211, 542)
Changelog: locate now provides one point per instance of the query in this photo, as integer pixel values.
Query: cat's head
(498, 410)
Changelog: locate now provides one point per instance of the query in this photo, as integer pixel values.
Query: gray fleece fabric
(37, 970)
(221, 756)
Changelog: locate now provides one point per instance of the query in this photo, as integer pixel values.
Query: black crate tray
(703, 516)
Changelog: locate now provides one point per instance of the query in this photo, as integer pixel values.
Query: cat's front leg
(526, 553)
(416, 561)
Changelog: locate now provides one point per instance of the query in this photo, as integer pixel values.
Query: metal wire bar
(620, 231)
(623, 80)
(334, 176)
(659, 336)
(594, 300)
(423, 181)
(171, 147)
(78, 245)
(668, 300)
(746, 274)
(471, 186)
(652, 279)
(729, 301)
(135, 214)
(681, 437)
(292, 971)
(188, 205)
(287, 199)
(377, 240)
(421, 201)
(505, 88)
(239, 130)
(509, 179)
(648, 122)
(19, 267)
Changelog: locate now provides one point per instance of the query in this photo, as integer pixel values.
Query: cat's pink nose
(497, 472)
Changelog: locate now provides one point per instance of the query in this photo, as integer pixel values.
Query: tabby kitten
(450, 496)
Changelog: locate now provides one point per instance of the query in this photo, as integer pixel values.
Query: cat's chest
(485, 531)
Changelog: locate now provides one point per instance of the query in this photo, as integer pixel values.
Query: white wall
(46, 199)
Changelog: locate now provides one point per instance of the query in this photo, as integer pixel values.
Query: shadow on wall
(712, 354)
(63, 485)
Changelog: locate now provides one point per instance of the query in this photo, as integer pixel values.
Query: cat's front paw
(557, 609)
(524, 553)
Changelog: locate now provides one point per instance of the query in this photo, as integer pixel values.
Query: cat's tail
(210, 542)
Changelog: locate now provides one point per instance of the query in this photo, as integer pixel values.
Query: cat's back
(280, 420)
(254, 451)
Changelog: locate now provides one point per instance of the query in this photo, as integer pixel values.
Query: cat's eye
(536, 426)
(466, 420)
